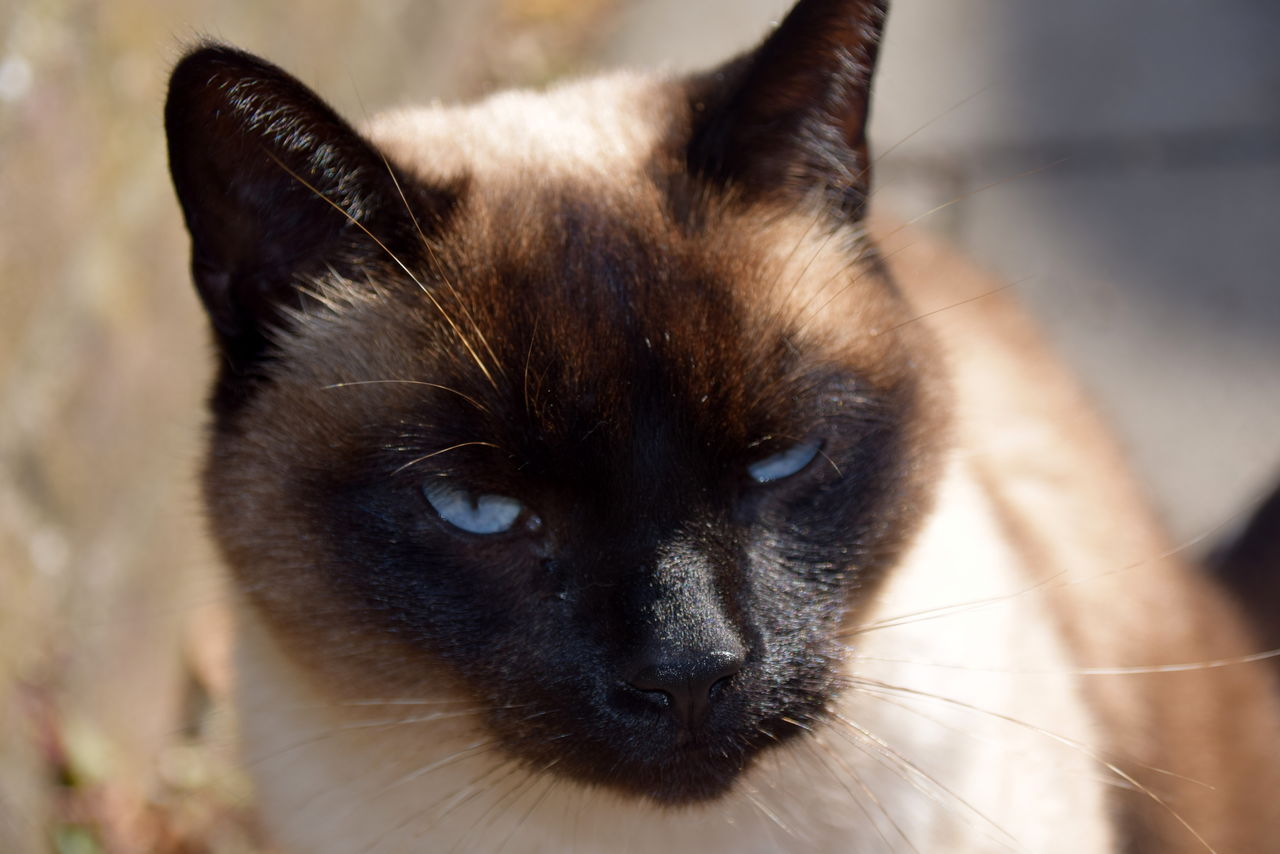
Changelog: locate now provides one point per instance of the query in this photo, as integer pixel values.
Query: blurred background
(1119, 161)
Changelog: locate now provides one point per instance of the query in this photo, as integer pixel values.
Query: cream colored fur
(589, 130)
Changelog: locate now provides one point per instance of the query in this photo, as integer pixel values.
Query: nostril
(651, 681)
(685, 684)
(657, 697)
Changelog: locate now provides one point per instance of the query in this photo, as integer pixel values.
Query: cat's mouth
(653, 754)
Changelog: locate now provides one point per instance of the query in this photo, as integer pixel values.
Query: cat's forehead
(605, 155)
(581, 241)
(603, 127)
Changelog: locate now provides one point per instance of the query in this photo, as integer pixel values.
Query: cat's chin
(668, 767)
(684, 777)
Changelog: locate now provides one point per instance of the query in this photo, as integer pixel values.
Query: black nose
(687, 679)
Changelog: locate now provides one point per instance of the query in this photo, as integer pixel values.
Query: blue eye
(475, 514)
(784, 463)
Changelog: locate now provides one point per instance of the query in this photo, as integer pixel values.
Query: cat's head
(595, 406)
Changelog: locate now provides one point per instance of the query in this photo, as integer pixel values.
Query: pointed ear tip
(207, 60)
(202, 78)
(201, 55)
(209, 52)
(200, 64)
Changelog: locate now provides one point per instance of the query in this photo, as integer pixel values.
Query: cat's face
(615, 455)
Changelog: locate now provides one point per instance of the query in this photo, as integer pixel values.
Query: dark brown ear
(276, 188)
(789, 119)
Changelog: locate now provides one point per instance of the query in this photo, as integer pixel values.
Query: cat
(598, 472)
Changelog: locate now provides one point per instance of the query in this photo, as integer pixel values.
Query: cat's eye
(475, 514)
(785, 463)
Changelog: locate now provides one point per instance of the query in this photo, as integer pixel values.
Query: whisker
(819, 214)
(827, 756)
(1084, 749)
(752, 796)
(327, 734)
(399, 701)
(933, 120)
(884, 760)
(889, 750)
(517, 789)
(960, 198)
(1209, 664)
(775, 792)
(1059, 577)
(422, 719)
(944, 610)
(443, 451)
(467, 794)
(528, 360)
(422, 287)
(957, 304)
(468, 398)
(811, 314)
(804, 272)
(896, 702)
(471, 786)
(551, 784)
(470, 750)
(869, 685)
(389, 832)
(435, 260)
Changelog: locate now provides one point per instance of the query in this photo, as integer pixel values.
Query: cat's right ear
(276, 189)
(787, 122)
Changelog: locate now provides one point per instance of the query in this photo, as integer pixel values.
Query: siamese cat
(598, 472)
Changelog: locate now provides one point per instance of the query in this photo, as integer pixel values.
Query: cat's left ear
(788, 120)
(278, 190)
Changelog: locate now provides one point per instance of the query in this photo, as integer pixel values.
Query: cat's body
(756, 550)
